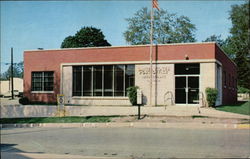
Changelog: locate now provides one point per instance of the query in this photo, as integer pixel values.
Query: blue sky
(28, 25)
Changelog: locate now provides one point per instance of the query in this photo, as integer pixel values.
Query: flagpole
(151, 53)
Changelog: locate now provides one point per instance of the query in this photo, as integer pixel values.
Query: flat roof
(125, 46)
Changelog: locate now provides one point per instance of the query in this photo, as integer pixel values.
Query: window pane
(108, 80)
(36, 74)
(36, 81)
(119, 80)
(97, 80)
(77, 80)
(187, 69)
(129, 76)
(87, 77)
(48, 81)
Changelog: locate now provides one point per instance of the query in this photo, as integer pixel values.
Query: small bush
(211, 94)
(132, 94)
(24, 101)
(243, 90)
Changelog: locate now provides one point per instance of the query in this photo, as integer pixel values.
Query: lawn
(240, 108)
(73, 119)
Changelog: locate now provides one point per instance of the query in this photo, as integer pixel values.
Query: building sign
(159, 72)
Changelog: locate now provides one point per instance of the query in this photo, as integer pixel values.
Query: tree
(168, 28)
(85, 37)
(17, 71)
(239, 42)
(215, 38)
(224, 44)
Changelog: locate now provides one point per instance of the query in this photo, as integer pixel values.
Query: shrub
(243, 90)
(211, 94)
(132, 94)
(24, 101)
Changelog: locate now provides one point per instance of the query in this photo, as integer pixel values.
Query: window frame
(43, 81)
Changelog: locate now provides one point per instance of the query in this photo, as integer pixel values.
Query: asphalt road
(128, 142)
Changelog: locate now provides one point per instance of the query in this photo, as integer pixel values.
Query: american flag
(155, 4)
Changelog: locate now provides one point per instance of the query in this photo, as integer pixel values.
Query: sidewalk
(23, 155)
(20, 111)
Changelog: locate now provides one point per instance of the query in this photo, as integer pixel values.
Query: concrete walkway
(23, 155)
(18, 111)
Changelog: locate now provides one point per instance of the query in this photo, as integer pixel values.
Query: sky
(28, 25)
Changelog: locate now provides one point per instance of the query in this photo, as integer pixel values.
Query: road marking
(243, 126)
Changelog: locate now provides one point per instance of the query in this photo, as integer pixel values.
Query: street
(128, 142)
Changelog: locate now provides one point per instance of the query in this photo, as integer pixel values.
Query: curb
(128, 125)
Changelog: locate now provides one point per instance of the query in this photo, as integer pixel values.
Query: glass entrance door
(187, 90)
(180, 90)
(193, 90)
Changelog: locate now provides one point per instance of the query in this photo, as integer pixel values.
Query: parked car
(8, 94)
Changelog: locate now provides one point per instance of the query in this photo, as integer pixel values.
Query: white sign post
(60, 104)
(139, 102)
(139, 97)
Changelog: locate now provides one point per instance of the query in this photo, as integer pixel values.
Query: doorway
(187, 89)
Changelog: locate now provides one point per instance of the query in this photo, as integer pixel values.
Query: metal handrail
(166, 98)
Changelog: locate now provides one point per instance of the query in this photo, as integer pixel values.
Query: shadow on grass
(240, 103)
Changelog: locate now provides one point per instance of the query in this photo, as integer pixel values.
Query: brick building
(100, 75)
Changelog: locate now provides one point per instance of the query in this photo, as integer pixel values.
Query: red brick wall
(50, 60)
(229, 94)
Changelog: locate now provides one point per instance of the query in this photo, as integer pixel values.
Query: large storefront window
(87, 86)
(42, 81)
(119, 80)
(77, 72)
(102, 80)
(129, 76)
(97, 80)
(108, 80)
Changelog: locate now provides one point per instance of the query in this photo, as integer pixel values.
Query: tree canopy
(168, 28)
(239, 42)
(215, 38)
(17, 71)
(224, 44)
(85, 37)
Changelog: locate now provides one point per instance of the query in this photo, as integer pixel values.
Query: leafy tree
(168, 28)
(17, 71)
(239, 42)
(227, 47)
(215, 38)
(85, 37)
(224, 44)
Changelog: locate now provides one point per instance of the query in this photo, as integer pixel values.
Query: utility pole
(11, 69)
(151, 53)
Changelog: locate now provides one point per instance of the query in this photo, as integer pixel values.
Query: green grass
(73, 119)
(240, 108)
